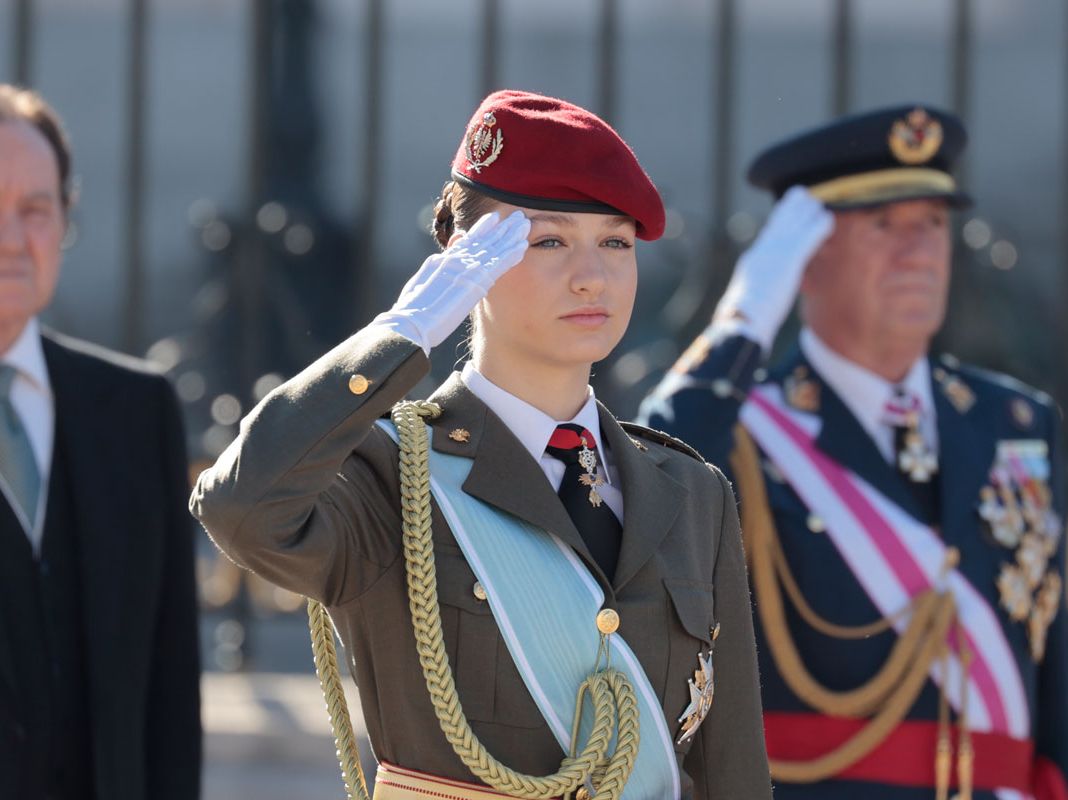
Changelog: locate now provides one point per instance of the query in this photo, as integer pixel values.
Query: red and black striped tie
(597, 524)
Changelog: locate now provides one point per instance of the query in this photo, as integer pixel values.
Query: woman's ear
(456, 234)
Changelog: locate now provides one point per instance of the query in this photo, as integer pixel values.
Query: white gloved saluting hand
(440, 295)
(768, 275)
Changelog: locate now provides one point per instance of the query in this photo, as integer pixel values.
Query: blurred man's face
(883, 275)
(32, 222)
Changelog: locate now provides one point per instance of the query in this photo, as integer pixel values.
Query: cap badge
(915, 139)
(483, 145)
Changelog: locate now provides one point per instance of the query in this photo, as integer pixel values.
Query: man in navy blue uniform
(903, 513)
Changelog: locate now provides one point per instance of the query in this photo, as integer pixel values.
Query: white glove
(440, 295)
(768, 274)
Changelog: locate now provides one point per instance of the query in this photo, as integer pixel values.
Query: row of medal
(1017, 505)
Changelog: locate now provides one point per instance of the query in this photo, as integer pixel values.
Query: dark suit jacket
(308, 497)
(691, 403)
(122, 432)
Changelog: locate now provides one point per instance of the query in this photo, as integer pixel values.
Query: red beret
(539, 152)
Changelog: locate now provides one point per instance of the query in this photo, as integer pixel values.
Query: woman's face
(568, 302)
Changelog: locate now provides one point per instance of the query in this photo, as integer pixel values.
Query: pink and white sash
(894, 557)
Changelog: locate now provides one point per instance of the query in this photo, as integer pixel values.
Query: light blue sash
(546, 612)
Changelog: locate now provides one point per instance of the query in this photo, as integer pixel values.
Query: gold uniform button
(358, 384)
(478, 591)
(607, 621)
(815, 524)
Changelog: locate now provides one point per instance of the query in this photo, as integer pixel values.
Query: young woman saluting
(560, 595)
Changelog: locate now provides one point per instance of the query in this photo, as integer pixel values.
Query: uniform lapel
(503, 473)
(7, 644)
(965, 452)
(651, 498)
(844, 439)
(96, 486)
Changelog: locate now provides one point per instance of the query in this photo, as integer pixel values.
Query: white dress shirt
(533, 428)
(866, 394)
(31, 395)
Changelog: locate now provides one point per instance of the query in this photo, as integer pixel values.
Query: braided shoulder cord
(889, 695)
(614, 703)
(322, 638)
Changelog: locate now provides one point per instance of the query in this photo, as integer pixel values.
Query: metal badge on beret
(915, 139)
(483, 145)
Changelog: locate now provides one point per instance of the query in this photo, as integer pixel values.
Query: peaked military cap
(868, 159)
(540, 152)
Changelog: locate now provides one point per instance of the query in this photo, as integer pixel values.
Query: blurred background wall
(257, 176)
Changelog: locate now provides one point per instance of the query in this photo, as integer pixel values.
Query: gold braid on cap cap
(884, 185)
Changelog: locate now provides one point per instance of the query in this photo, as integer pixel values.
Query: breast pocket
(691, 634)
(470, 632)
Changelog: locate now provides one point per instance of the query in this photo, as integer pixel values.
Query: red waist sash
(906, 757)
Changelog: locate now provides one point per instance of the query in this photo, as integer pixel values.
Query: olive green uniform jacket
(308, 497)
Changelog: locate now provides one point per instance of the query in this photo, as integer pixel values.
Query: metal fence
(267, 313)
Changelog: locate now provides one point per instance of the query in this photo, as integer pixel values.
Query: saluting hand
(768, 274)
(440, 295)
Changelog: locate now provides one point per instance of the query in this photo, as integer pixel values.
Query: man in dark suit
(903, 513)
(99, 665)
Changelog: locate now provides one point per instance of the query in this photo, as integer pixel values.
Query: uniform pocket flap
(695, 606)
(456, 583)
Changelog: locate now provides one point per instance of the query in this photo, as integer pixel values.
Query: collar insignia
(802, 392)
(957, 392)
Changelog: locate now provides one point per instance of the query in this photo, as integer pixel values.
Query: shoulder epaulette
(659, 437)
(980, 376)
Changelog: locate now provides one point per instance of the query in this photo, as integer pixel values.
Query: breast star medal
(588, 461)
(702, 689)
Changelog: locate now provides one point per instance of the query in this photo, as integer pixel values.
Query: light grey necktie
(18, 466)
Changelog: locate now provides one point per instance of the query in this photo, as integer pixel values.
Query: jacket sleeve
(298, 496)
(699, 399)
(172, 737)
(1051, 727)
(728, 760)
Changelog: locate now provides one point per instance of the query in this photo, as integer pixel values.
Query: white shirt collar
(32, 398)
(27, 356)
(531, 426)
(865, 393)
